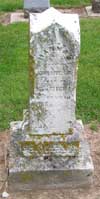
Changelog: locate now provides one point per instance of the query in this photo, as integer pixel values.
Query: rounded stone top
(70, 22)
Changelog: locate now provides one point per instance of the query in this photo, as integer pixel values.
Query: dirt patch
(80, 11)
(5, 18)
(87, 193)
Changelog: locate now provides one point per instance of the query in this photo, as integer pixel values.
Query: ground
(92, 192)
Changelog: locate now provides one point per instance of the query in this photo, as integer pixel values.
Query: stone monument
(96, 6)
(47, 148)
(35, 6)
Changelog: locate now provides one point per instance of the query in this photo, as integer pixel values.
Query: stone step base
(55, 173)
(29, 181)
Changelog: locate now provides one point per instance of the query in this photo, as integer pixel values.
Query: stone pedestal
(35, 6)
(96, 6)
(47, 148)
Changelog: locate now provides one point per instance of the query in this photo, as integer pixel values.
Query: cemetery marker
(47, 148)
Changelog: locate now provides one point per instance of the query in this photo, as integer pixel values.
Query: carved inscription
(53, 101)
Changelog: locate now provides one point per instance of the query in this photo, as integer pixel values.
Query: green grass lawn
(14, 72)
(11, 5)
(70, 3)
(88, 92)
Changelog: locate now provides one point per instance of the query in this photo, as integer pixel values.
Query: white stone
(17, 17)
(90, 12)
(70, 22)
(55, 47)
(5, 194)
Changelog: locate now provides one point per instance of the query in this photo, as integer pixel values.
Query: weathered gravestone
(47, 148)
(35, 6)
(96, 6)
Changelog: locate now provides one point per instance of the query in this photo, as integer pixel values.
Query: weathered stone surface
(54, 51)
(96, 6)
(36, 5)
(17, 17)
(31, 145)
(49, 140)
(52, 173)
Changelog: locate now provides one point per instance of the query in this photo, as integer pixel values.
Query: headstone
(47, 148)
(35, 5)
(96, 6)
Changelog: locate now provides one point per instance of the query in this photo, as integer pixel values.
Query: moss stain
(26, 177)
(31, 74)
(41, 148)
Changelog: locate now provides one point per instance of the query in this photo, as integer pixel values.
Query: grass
(11, 5)
(14, 72)
(70, 3)
(88, 91)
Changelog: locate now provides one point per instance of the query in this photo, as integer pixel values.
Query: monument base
(96, 6)
(57, 172)
(35, 6)
(33, 10)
